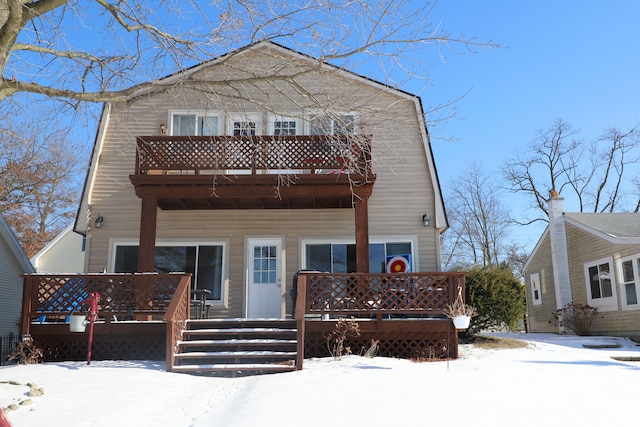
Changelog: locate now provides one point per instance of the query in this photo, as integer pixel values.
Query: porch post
(362, 234)
(148, 219)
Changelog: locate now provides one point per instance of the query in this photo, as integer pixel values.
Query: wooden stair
(237, 346)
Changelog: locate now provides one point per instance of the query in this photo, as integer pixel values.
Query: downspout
(559, 253)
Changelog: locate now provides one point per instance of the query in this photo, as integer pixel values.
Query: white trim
(635, 259)
(224, 278)
(534, 284)
(604, 303)
(609, 238)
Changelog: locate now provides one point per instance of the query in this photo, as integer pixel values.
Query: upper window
(601, 292)
(337, 124)
(341, 257)
(536, 292)
(283, 126)
(204, 262)
(194, 124)
(245, 125)
(630, 281)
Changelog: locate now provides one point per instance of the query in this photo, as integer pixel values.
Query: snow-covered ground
(554, 382)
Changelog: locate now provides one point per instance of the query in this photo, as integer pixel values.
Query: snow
(555, 381)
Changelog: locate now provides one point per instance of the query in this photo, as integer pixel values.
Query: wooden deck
(147, 316)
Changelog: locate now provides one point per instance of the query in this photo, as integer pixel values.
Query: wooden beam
(362, 234)
(148, 220)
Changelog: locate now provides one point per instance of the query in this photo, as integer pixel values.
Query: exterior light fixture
(99, 221)
(163, 129)
(425, 220)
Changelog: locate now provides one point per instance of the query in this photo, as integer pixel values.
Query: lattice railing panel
(223, 154)
(381, 293)
(118, 292)
(104, 347)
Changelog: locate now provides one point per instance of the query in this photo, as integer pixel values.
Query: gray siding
(10, 290)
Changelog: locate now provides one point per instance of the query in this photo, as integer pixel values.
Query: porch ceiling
(268, 191)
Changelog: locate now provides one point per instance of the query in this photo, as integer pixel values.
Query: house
(212, 190)
(13, 264)
(245, 225)
(65, 253)
(586, 258)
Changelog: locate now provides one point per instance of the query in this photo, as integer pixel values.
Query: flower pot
(461, 322)
(77, 323)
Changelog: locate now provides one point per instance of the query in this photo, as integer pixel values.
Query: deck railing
(176, 317)
(373, 295)
(254, 154)
(131, 295)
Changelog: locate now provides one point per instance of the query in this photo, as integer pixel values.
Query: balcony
(253, 172)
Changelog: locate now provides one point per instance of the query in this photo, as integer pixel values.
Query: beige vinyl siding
(539, 316)
(402, 193)
(585, 248)
(10, 290)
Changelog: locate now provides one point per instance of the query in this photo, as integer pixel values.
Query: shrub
(26, 353)
(498, 296)
(576, 317)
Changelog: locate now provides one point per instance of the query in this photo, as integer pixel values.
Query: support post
(362, 234)
(148, 220)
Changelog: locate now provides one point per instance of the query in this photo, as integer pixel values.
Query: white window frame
(535, 285)
(197, 114)
(244, 117)
(224, 281)
(635, 260)
(273, 118)
(312, 114)
(604, 303)
(413, 240)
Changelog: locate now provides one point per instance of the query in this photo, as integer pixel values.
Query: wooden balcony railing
(254, 154)
(373, 295)
(56, 296)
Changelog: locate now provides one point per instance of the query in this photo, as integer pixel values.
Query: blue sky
(570, 59)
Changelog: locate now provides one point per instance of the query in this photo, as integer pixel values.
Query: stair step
(235, 367)
(238, 331)
(238, 354)
(196, 343)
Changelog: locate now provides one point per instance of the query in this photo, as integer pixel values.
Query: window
(204, 262)
(630, 281)
(341, 257)
(601, 285)
(338, 124)
(194, 124)
(536, 291)
(245, 125)
(283, 126)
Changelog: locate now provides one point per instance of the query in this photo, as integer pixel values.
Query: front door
(264, 281)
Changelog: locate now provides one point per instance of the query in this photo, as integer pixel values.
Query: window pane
(244, 128)
(398, 248)
(344, 125)
(126, 259)
(594, 282)
(339, 259)
(377, 258)
(286, 127)
(319, 257)
(320, 125)
(208, 125)
(605, 281)
(184, 125)
(174, 258)
(630, 292)
(627, 271)
(210, 270)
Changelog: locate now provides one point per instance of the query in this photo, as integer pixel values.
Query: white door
(264, 281)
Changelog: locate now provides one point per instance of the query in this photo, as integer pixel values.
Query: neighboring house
(13, 264)
(586, 258)
(64, 254)
(244, 184)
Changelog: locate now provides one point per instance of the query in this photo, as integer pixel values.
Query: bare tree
(593, 174)
(479, 221)
(44, 48)
(38, 188)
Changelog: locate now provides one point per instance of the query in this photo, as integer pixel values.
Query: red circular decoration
(398, 264)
